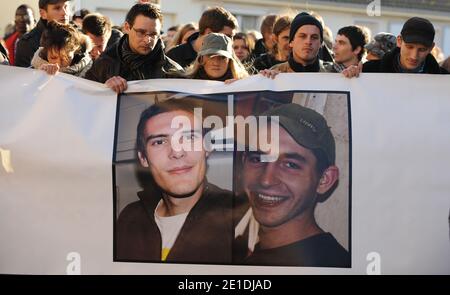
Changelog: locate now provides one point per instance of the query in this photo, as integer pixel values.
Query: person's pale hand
(229, 81)
(353, 71)
(269, 73)
(117, 84)
(50, 69)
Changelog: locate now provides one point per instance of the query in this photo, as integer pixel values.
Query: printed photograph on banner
(292, 190)
(173, 191)
(249, 178)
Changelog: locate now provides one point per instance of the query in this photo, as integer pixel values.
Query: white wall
(8, 11)
(114, 9)
(184, 11)
(181, 12)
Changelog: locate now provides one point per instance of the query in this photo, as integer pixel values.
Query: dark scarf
(201, 74)
(299, 68)
(141, 66)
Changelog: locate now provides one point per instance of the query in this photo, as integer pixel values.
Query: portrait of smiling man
(283, 192)
(180, 217)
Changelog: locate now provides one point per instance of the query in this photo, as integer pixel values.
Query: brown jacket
(325, 67)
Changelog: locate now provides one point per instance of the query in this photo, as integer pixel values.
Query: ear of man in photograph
(283, 192)
(180, 216)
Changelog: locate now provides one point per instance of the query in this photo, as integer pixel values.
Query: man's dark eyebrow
(144, 31)
(150, 137)
(294, 156)
(256, 153)
(153, 136)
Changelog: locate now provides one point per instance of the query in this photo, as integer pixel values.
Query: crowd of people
(185, 218)
(89, 46)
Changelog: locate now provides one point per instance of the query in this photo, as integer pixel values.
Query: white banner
(59, 189)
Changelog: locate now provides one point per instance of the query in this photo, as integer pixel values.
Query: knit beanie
(302, 19)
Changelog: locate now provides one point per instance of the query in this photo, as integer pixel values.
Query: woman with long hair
(243, 47)
(217, 61)
(63, 49)
(182, 35)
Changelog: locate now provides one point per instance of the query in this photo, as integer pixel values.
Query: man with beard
(24, 22)
(138, 55)
(57, 10)
(283, 193)
(180, 217)
(305, 39)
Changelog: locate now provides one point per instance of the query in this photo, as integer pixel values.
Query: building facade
(378, 15)
(383, 16)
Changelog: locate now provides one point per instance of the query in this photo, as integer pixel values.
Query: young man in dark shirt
(349, 47)
(180, 216)
(305, 39)
(413, 52)
(283, 192)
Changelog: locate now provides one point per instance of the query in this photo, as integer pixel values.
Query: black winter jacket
(29, 44)
(388, 64)
(111, 63)
(184, 54)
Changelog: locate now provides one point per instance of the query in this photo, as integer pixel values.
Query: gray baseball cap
(217, 44)
(307, 127)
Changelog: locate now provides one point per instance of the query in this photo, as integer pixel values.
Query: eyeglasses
(141, 34)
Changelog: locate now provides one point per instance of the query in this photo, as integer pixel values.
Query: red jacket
(10, 43)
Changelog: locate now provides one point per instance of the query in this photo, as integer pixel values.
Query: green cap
(217, 44)
(307, 127)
